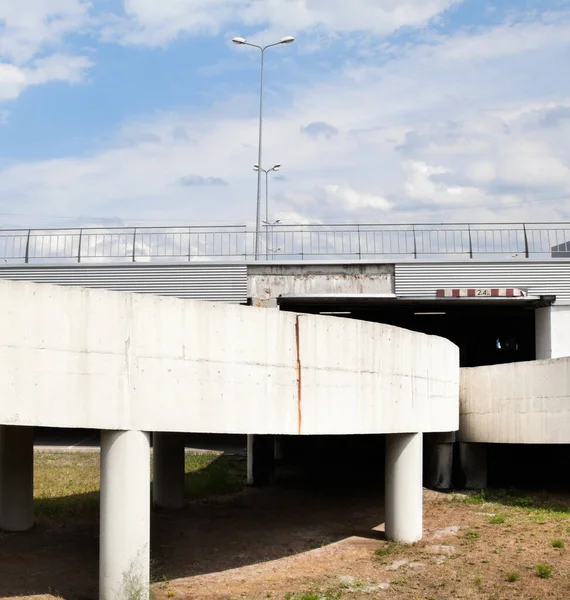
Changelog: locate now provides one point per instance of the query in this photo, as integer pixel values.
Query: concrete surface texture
(74, 357)
(552, 327)
(516, 403)
(267, 281)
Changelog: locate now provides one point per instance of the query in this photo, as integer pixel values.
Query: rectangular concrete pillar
(124, 548)
(552, 332)
(403, 489)
(16, 478)
(168, 467)
(473, 458)
(438, 460)
(260, 466)
(260, 459)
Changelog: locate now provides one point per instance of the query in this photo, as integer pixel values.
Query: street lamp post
(266, 171)
(271, 224)
(243, 42)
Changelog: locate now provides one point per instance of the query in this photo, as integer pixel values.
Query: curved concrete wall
(74, 357)
(516, 403)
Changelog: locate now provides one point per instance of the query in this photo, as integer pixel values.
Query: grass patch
(67, 483)
(544, 571)
(541, 507)
(472, 536)
(327, 595)
(476, 498)
(558, 544)
(512, 577)
(210, 474)
(497, 520)
(389, 549)
(352, 584)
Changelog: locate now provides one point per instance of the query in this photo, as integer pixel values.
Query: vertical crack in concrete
(298, 350)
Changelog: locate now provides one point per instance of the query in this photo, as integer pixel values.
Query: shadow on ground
(299, 513)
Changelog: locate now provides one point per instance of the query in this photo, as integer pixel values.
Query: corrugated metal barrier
(421, 279)
(206, 281)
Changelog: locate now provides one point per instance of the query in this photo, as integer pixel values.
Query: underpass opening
(487, 331)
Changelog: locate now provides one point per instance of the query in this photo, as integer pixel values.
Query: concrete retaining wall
(516, 403)
(74, 357)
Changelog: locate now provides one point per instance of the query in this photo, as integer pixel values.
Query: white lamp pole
(266, 171)
(271, 224)
(243, 42)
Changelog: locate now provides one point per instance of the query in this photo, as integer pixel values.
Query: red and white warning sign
(480, 292)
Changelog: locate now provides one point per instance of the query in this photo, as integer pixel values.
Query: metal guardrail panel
(287, 242)
(213, 282)
(421, 280)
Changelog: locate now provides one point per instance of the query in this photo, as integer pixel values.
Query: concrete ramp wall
(516, 403)
(74, 357)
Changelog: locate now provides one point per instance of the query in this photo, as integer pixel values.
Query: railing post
(134, 243)
(79, 247)
(359, 246)
(27, 254)
(526, 252)
(189, 243)
(470, 242)
(415, 243)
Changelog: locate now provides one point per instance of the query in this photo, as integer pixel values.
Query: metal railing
(287, 242)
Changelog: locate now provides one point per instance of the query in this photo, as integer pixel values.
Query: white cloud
(57, 67)
(433, 133)
(351, 200)
(29, 26)
(156, 23)
(33, 32)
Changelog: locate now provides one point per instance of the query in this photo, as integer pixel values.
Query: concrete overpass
(130, 364)
(511, 301)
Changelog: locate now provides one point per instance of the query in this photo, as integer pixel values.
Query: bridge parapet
(450, 241)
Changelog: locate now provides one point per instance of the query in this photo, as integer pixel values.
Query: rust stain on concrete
(298, 349)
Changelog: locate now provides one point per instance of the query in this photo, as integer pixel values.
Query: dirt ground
(308, 542)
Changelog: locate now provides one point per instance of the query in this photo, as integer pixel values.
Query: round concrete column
(168, 467)
(124, 548)
(16, 478)
(403, 495)
(249, 452)
(260, 459)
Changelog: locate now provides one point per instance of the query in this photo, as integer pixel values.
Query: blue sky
(142, 112)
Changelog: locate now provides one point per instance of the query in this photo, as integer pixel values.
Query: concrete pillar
(260, 459)
(552, 332)
(168, 467)
(438, 460)
(16, 478)
(403, 493)
(257, 461)
(278, 448)
(124, 547)
(249, 452)
(473, 459)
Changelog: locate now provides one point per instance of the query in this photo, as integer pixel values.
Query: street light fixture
(266, 171)
(240, 41)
